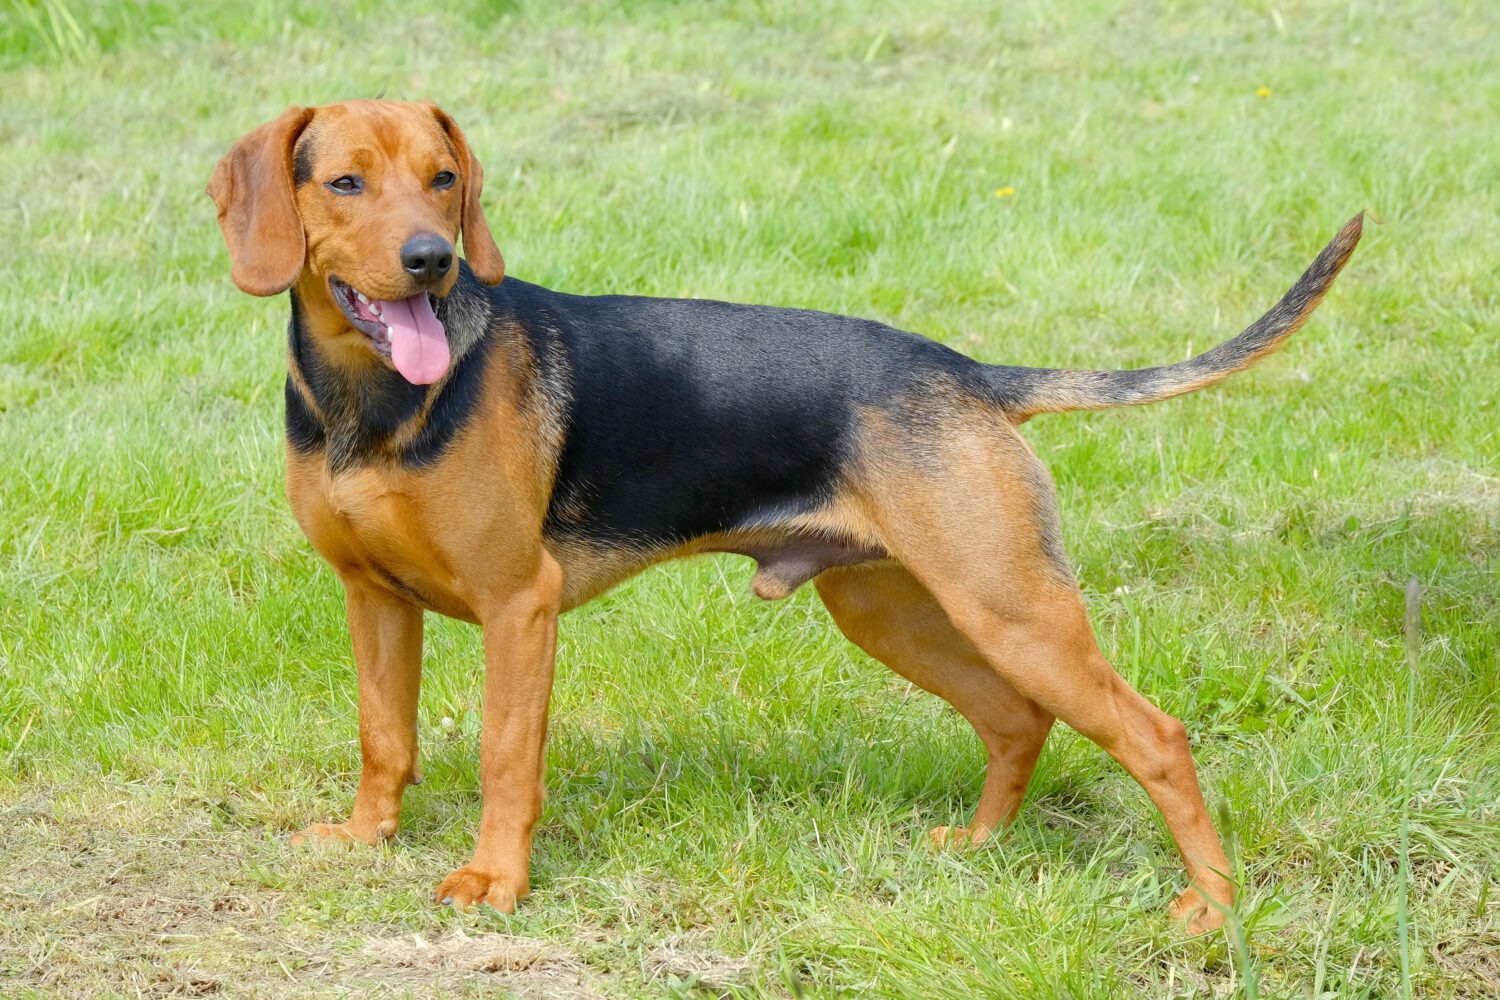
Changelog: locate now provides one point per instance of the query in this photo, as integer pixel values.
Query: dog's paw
(469, 886)
(957, 838)
(345, 832)
(1195, 913)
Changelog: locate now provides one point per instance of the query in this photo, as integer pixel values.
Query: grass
(739, 799)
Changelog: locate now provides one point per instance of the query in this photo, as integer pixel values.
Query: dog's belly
(786, 558)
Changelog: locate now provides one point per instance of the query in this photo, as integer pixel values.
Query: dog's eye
(347, 185)
(444, 180)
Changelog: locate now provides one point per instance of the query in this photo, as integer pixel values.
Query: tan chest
(384, 528)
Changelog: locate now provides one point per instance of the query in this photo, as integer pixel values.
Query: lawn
(739, 799)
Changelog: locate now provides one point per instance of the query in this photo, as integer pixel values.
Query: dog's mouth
(405, 330)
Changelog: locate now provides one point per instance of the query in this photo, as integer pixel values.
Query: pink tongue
(419, 349)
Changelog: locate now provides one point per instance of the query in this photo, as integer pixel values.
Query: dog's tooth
(361, 296)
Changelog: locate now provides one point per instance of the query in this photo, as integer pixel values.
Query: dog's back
(689, 417)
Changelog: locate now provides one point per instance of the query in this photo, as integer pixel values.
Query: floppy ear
(252, 186)
(479, 246)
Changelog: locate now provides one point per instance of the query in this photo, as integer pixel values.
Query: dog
(501, 453)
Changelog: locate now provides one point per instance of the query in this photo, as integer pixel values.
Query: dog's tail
(1025, 392)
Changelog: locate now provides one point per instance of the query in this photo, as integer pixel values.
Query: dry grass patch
(687, 961)
(527, 967)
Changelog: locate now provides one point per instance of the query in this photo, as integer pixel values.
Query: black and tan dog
(501, 453)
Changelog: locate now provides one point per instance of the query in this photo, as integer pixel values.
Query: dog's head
(360, 206)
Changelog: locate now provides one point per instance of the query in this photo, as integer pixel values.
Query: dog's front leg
(386, 632)
(520, 637)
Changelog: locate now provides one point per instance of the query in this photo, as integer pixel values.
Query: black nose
(427, 257)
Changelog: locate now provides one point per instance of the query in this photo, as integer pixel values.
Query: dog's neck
(364, 412)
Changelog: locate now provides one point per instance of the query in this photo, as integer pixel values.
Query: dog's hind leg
(891, 616)
(973, 517)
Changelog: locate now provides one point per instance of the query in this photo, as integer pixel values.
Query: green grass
(738, 798)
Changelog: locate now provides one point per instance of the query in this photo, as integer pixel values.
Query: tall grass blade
(1413, 645)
